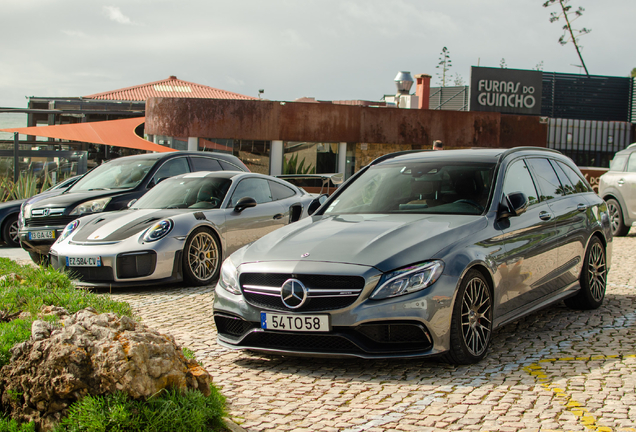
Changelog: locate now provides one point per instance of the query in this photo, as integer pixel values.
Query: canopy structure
(118, 133)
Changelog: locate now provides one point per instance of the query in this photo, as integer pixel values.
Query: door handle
(545, 216)
(620, 182)
(278, 216)
(581, 207)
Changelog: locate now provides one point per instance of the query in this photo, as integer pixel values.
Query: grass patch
(169, 411)
(10, 425)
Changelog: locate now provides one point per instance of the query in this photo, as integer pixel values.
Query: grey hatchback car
(421, 254)
(618, 188)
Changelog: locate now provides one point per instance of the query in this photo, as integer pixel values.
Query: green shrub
(10, 425)
(169, 411)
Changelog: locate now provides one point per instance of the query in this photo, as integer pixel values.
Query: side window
(580, 186)
(568, 187)
(172, 168)
(547, 179)
(205, 164)
(618, 163)
(631, 163)
(228, 166)
(518, 179)
(252, 187)
(280, 191)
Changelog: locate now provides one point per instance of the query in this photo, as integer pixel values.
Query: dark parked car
(10, 210)
(421, 254)
(110, 186)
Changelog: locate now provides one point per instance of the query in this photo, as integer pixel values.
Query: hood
(72, 199)
(385, 241)
(117, 226)
(10, 204)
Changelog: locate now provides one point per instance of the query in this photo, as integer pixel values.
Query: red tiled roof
(171, 87)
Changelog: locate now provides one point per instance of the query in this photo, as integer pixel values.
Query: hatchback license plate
(83, 261)
(41, 235)
(288, 322)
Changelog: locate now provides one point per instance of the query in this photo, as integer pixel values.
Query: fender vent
(199, 216)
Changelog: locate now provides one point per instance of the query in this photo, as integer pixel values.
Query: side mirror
(130, 203)
(316, 203)
(337, 178)
(244, 203)
(513, 204)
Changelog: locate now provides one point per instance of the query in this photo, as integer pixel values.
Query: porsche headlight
(92, 206)
(158, 230)
(68, 230)
(229, 277)
(408, 279)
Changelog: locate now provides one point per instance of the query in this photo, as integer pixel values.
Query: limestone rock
(91, 354)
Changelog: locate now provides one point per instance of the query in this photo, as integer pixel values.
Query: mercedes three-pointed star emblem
(293, 293)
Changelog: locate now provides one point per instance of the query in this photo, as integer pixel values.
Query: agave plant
(292, 166)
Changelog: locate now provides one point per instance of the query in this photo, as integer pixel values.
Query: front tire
(593, 279)
(10, 231)
(39, 259)
(619, 229)
(471, 326)
(201, 257)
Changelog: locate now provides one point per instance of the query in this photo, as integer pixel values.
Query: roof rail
(396, 154)
(526, 148)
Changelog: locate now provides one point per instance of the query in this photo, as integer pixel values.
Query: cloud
(115, 14)
(74, 33)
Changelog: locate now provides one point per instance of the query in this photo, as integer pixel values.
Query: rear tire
(10, 233)
(471, 325)
(593, 279)
(39, 259)
(201, 257)
(619, 229)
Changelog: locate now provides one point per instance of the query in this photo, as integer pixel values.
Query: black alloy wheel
(619, 229)
(471, 326)
(593, 279)
(39, 258)
(10, 233)
(201, 257)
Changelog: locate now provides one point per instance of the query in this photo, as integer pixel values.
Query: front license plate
(83, 261)
(288, 322)
(41, 235)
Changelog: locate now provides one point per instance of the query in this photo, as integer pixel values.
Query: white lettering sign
(505, 94)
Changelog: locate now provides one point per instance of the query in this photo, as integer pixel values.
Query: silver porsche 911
(180, 229)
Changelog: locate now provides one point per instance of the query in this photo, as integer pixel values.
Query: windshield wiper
(98, 189)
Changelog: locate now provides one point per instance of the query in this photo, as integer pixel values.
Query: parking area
(558, 370)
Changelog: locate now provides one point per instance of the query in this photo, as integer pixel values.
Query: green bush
(34, 287)
(10, 425)
(169, 411)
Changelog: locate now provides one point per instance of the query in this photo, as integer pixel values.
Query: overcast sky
(327, 49)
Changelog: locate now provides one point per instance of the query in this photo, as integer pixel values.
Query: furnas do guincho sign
(510, 91)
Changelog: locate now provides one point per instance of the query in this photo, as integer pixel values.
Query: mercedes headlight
(68, 230)
(229, 277)
(92, 206)
(158, 230)
(408, 279)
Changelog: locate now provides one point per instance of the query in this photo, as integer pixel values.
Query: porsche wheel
(201, 257)
(471, 326)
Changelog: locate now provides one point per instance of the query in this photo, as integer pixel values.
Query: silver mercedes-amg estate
(419, 254)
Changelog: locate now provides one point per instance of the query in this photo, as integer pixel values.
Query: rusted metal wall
(522, 130)
(289, 121)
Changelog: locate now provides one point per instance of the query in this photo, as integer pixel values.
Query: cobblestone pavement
(555, 370)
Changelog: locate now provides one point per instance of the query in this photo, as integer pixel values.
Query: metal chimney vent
(403, 81)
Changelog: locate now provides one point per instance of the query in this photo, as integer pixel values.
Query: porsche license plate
(289, 322)
(84, 261)
(41, 235)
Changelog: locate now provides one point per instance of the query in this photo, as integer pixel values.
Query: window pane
(547, 179)
(309, 157)
(631, 165)
(254, 154)
(280, 191)
(618, 163)
(172, 168)
(205, 164)
(580, 186)
(568, 186)
(518, 179)
(253, 188)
